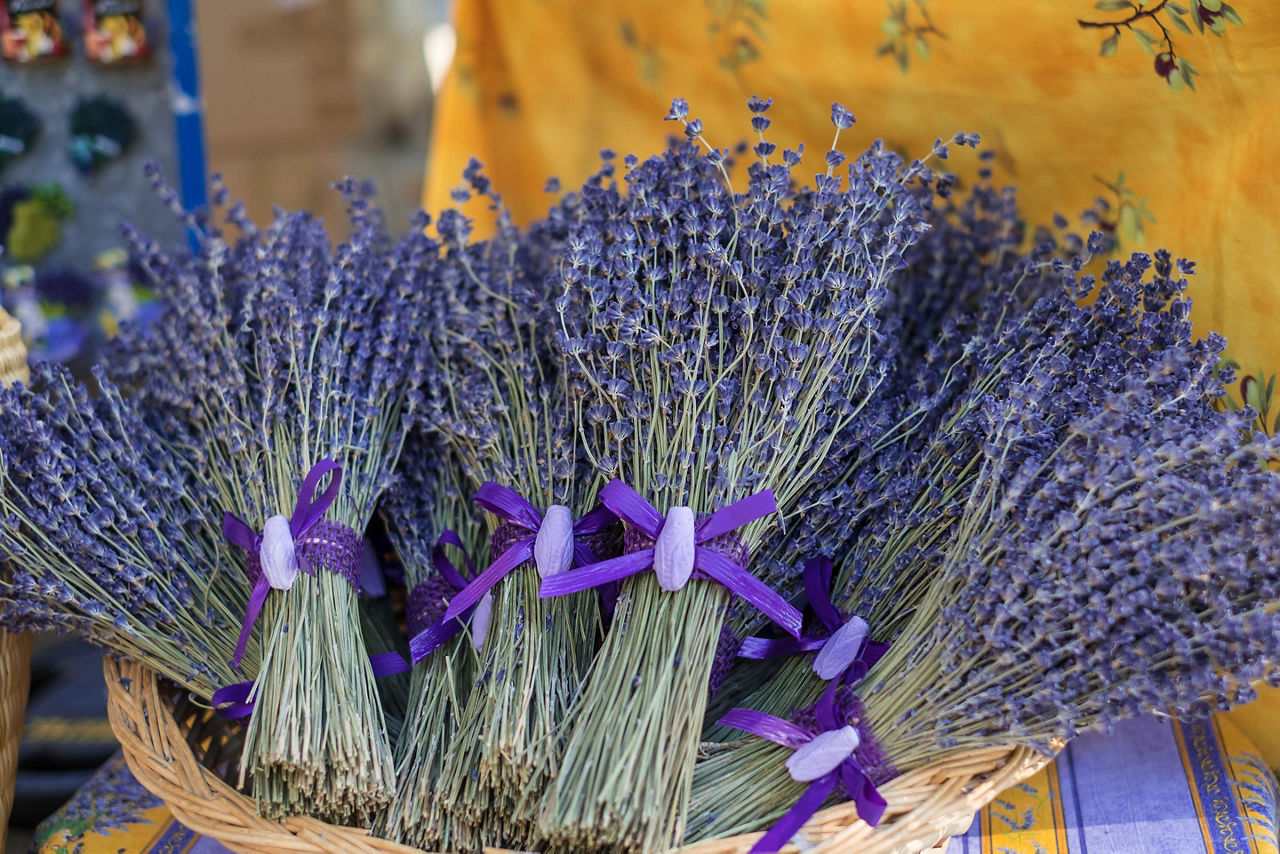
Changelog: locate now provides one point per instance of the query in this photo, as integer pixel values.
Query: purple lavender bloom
(105, 533)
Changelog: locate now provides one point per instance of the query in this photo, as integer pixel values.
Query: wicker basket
(179, 761)
(15, 650)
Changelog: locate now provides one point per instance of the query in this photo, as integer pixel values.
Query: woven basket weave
(178, 761)
(15, 650)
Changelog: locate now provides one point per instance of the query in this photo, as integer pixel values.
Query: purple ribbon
(232, 702)
(857, 784)
(817, 586)
(433, 636)
(713, 564)
(510, 506)
(309, 509)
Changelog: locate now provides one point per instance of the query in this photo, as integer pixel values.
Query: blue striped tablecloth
(1152, 786)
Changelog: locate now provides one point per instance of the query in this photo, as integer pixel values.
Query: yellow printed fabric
(113, 814)
(540, 86)
(1081, 103)
(1152, 786)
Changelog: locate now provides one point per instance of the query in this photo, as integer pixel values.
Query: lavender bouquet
(286, 373)
(506, 413)
(1116, 555)
(103, 533)
(903, 468)
(429, 521)
(720, 343)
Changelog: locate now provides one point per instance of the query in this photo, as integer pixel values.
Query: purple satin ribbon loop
(232, 702)
(308, 510)
(632, 508)
(778, 647)
(310, 507)
(444, 566)
(868, 800)
(778, 730)
(237, 532)
(506, 503)
(512, 507)
(817, 586)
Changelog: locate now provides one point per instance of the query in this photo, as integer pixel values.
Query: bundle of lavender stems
(720, 495)
(421, 512)
(505, 411)
(288, 372)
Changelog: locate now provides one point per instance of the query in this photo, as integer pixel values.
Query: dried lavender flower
(103, 533)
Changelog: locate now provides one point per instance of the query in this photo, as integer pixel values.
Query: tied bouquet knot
(843, 644)
(274, 556)
(832, 747)
(429, 626)
(679, 547)
(552, 540)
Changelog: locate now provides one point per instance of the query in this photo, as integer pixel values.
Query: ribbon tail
(767, 726)
(584, 578)
(232, 702)
(433, 637)
(865, 796)
(608, 598)
(582, 556)
(801, 811)
(736, 515)
(388, 664)
(746, 585)
(251, 611)
(469, 596)
(237, 532)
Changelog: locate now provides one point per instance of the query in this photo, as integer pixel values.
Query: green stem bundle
(317, 741)
(416, 816)
(624, 780)
(507, 747)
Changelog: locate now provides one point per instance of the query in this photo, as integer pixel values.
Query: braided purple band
(426, 603)
(333, 547)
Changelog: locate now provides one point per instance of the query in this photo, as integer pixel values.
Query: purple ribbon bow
(512, 507)
(433, 636)
(641, 515)
(862, 654)
(857, 784)
(306, 513)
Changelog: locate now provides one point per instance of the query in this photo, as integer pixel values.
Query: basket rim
(925, 806)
